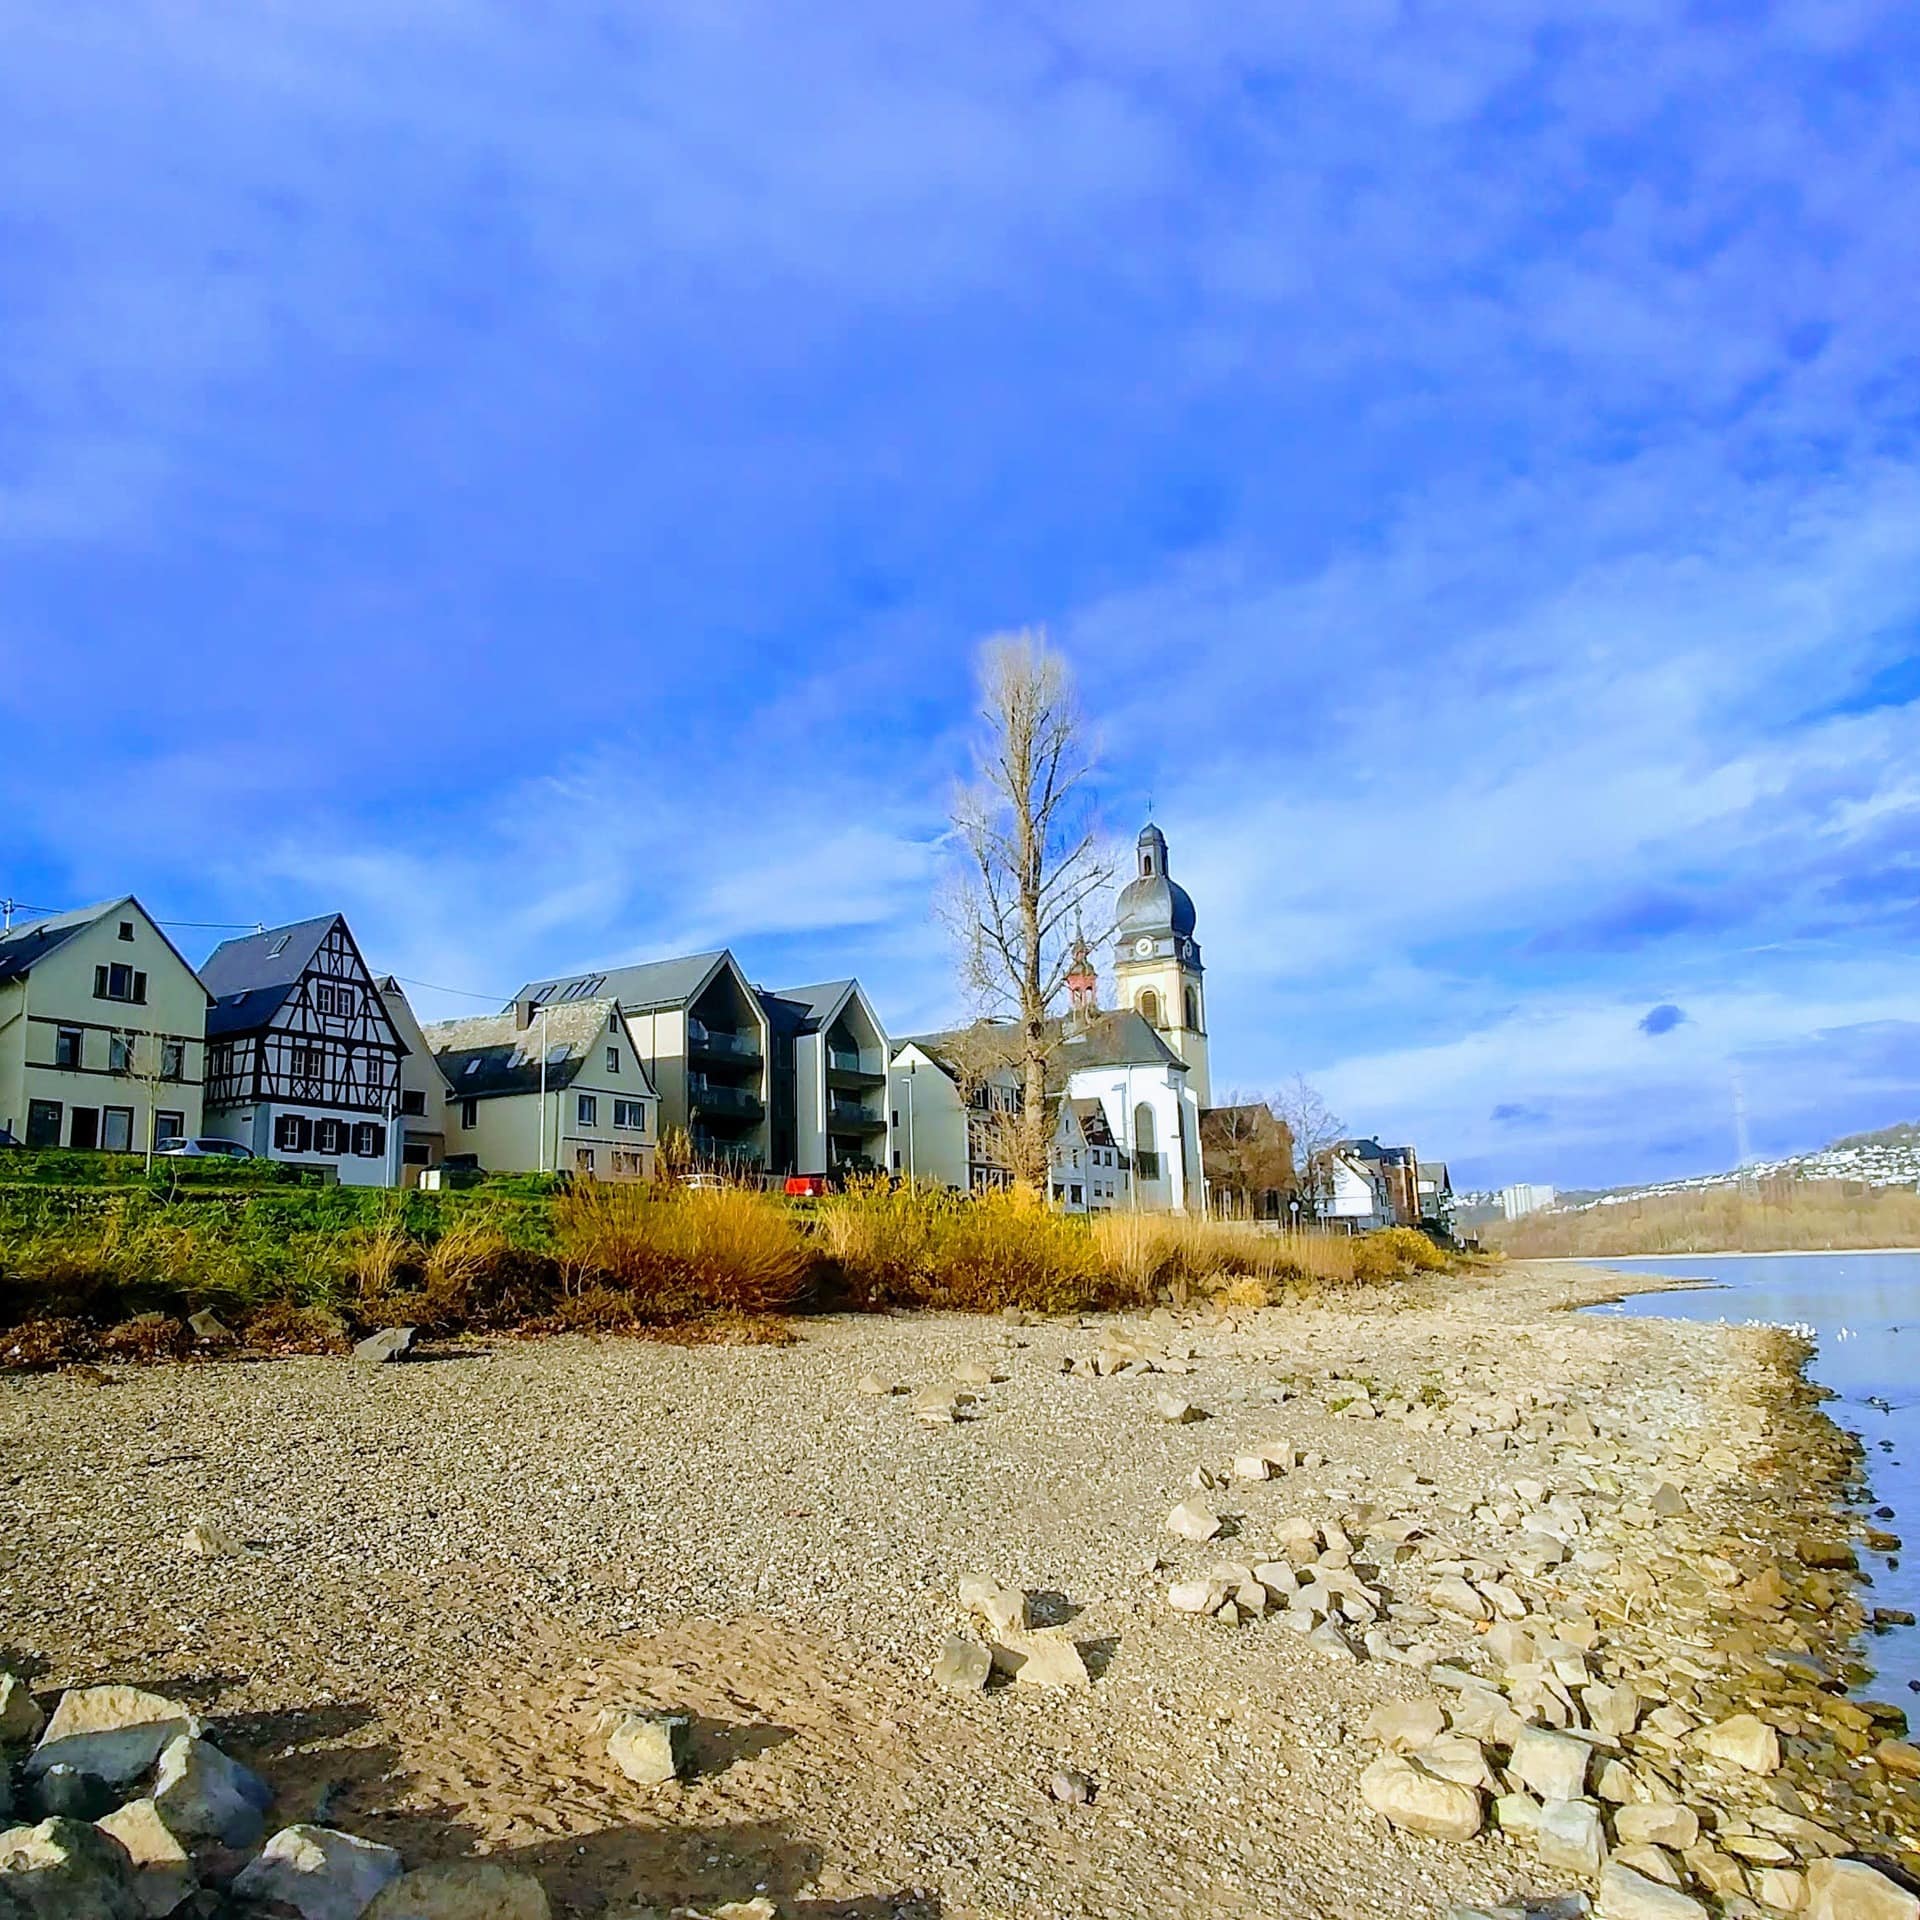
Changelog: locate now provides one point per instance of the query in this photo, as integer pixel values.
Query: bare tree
(1032, 862)
(1315, 1129)
(1249, 1152)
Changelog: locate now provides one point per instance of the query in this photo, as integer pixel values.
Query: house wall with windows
(422, 1116)
(102, 1032)
(599, 1113)
(930, 1121)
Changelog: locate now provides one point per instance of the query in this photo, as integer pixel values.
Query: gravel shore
(452, 1566)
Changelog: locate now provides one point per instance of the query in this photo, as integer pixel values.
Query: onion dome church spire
(1156, 959)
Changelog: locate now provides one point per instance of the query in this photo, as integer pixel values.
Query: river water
(1863, 1312)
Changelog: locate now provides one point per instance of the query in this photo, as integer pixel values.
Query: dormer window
(279, 946)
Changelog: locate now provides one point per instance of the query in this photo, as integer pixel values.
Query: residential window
(587, 1110)
(413, 1100)
(583, 1159)
(126, 929)
(68, 1046)
(116, 1129)
(119, 982)
(369, 1139)
(173, 1059)
(630, 1163)
(333, 998)
(896, 1159)
(168, 1126)
(330, 1136)
(613, 1060)
(1075, 1195)
(630, 1115)
(414, 1154)
(119, 1053)
(293, 1133)
(469, 1113)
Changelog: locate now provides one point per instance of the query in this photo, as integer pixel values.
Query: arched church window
(1149, 1005)
(1145, 1139)
(1193, 1009)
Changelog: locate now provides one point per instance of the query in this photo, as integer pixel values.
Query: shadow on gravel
(716, 1745)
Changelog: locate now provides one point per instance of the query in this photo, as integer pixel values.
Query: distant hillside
(1905, 1135)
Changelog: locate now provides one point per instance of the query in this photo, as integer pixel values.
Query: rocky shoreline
(1423, 1602)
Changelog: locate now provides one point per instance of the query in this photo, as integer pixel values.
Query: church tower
(1156, 961)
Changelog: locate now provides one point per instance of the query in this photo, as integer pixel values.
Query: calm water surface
(1863, 1310)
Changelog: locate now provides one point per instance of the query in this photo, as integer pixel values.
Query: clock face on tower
(1143, 947)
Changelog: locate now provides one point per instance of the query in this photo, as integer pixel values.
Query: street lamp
(1126, 1134)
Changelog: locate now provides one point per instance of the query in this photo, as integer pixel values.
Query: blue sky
(535, 477)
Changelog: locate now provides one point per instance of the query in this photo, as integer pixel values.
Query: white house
(303, 1060)
(1352, 1193)
(423, 1088)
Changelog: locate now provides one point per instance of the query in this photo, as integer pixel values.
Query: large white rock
(65, 1870)
(1746, 1741)
(1004, 1609)
(1402, 1726)
(162, 1873)
(963, 1666)
(461, 1890)
(1421, 1802)
(649, 1748)
(1571, 1837)
(1660, 1824)
(1554, 1765)
(115, 1733)
(204, 1794)
(1626, 1895)
(321, 1873)
(1852, 1890)
(1047, 1658)
(1194, 1520)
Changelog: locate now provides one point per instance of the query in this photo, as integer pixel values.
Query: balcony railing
(714, 1101)
(845, 1071)
(721, 1045)
(852, 1117)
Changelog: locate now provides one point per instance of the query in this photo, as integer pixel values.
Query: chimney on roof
(523, 1015)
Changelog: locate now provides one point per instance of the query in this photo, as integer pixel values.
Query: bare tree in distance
(1249, 1153)
(1033, 860)
(1315, 1129)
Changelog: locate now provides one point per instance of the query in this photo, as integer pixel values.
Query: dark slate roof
(23, 946)
(491, 1055)
(652, 983)
(820, 1002)
(251, 977)
(1119, 1039)
(1150, 902)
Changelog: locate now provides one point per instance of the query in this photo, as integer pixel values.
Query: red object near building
(806, 1186)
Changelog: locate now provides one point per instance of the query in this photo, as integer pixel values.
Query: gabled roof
(250, 978)
(24, 947)
(818, 1004)
(1092, 1115)
(1120, 1039)
(639, 989)
(491, 1055)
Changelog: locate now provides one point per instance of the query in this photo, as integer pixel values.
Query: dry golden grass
(1772, 1216)
(681, 1251)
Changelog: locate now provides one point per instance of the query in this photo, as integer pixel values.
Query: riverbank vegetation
(1766, 1216)
(90, 1269)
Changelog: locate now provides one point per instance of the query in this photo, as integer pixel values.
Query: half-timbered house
(303, 1059)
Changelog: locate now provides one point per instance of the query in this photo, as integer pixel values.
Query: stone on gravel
(1004, 1609)
(973, 1373)
(1457, 1596)
(115, 1732)
(873, 1386)
(319, 1872)
(1195, 1596)
(1654, 1862)
(1408, 1796)
(1402, 1726)
(1070, 1789)
(73, 1795)
(1613, 1711)
(205, 1541)
(204, 1794)
(461, 1890)
(1570, 1837)
(1173, 1407)
(1454, 1757)
(1195, 1520)
(162, 1873)
(1047, 1658)
(649, 1748)
(1745, 1741)
(209, 1329)
(1852, 1890)
(20, 1715)
(1554, 1765)
(1626, 1895)
(963, 1666)
(65, 1870)
(1780, 1888)
(1657, 1825)
(390, 1343)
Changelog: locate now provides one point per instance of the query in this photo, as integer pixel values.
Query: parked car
(206, 1147)
(705, 1182)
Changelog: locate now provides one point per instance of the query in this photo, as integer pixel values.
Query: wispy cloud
(536, 481)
